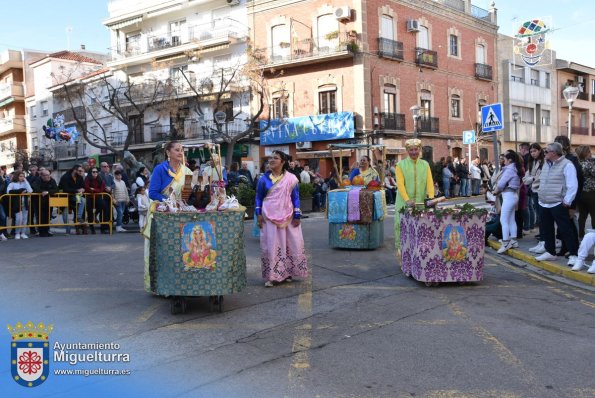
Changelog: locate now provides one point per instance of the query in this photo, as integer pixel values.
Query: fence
(11, 205)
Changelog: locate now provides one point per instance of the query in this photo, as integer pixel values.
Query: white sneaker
(558, 244)
(572, 260)
(578, 264)
(506, 244)
(546, 257)
(591, 269)
(120, 229)
(540, 248)
(17, 236)
(24, 236)
(513, 244)
(3, 237)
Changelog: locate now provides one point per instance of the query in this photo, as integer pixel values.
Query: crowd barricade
(64, 203)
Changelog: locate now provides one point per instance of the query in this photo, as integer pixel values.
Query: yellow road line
(149, 312)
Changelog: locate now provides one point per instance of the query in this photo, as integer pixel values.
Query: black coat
(71, 185)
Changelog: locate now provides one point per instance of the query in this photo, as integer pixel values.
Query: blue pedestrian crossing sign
(491, 118)
(469, 137)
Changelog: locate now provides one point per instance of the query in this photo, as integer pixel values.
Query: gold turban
(412, 143)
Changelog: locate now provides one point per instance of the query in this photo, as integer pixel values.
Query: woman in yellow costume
(364, 170)
(168, 177)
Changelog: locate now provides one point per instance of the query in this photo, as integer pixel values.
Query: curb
(564, 271)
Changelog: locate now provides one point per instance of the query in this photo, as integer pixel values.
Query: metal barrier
(64, 203)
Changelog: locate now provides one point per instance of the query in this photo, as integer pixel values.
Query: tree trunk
(229, 155)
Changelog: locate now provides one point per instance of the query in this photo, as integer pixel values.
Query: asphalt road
(356, 328)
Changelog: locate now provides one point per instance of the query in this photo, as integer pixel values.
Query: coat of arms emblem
(29, 353)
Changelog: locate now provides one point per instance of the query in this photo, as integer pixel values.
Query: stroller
(130, 213)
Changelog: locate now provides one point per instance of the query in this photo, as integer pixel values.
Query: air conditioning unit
(304, 145)
(580, 79)
(413, 25)
(233, 2)
(343, 13)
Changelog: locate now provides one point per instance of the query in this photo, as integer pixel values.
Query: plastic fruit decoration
(346, 182)
(358, 180)
(374, 185)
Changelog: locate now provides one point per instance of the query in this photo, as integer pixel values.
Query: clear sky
(42, 25)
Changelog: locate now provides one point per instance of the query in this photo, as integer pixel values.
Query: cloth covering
(337, 207)
(366, 206)
(353, 214)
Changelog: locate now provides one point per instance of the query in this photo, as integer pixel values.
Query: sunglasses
(546, 151)
(94, 172)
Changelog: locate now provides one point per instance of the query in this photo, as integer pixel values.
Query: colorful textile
(378, 205)
(282, 249)
(366, 206)
(353, 205)
(337, 206)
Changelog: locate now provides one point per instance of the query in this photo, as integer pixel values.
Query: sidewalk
(557, 267)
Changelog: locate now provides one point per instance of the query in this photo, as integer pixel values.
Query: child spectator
(18, 204)
(142, 205)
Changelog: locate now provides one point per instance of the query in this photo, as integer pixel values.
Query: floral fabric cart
(443, 245)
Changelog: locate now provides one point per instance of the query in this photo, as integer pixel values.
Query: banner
(332, 126)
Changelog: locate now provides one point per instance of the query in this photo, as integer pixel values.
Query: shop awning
(323, 154)
(126, 22)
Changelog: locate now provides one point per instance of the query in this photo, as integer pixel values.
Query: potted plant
(332, 35)
(246, 196)
(284, 44)
(306, 194)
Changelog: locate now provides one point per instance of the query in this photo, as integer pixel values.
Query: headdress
(412, 143)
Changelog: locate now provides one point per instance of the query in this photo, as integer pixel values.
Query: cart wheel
(176, 305)
(220, 299)
(212, 302)
(184, 305)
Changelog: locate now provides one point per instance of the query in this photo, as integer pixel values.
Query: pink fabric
(281, 243)
(353, 205)
(277, 206)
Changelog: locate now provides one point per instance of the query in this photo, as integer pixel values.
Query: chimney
(82, 47)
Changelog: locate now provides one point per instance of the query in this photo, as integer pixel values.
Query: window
(390, 99)
(423, 37)
(527, 114)
(227, 107)
(548, 80)
(32, 112)
(427, 154)
(534, 77)
(480, 54)
(454, 45)
(516, 73)
(426, 105)
(327, 25)
(222, 61)
(177, 30)
(455, 106)
(327, 101)
(387, 28)
(133, 43)
(280, 41)
(280, 107)
(34, 143)
(45, 110)
(545, 118)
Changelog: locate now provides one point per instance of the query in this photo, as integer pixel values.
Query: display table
(367, 232)
(197, 254)
(444, 247)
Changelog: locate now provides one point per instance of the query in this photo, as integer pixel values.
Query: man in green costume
(414, 184)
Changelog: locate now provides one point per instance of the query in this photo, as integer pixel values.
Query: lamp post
(570, 95)
(515, 119)
(415, 113)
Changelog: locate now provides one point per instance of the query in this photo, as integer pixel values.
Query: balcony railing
(483, 71)
(69, 150)
(206, 130)
(69, 113)
(426, 57)
(13, 124)
(580, 130)
(393, 121)
(429, 125)
(309, 48)
(390, 49)
(11, 90)
(205, 35)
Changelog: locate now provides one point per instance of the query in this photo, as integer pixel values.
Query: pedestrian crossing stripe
(492, 120)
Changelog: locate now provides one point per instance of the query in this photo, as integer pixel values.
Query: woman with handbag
(509, 183)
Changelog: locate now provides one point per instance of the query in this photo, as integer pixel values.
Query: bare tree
(105, 95)
(244, 81)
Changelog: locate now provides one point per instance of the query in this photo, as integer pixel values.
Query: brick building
(378, 59)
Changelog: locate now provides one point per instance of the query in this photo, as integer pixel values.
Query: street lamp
(415, 112)
(515, 118)
(570, 94)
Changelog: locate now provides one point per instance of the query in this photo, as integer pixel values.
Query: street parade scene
(306, 198)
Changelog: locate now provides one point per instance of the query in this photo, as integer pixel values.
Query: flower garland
(456, 212)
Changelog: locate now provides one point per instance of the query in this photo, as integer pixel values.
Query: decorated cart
(197, 249)
(356, 211)
(443, 245)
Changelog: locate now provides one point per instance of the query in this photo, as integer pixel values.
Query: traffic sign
(491, 118)
(469, 137)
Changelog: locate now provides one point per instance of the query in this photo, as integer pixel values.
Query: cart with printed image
(357, 225)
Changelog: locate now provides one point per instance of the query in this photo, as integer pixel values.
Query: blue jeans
(119, 213)
(446, 187)
(2, 217)
(464, 187)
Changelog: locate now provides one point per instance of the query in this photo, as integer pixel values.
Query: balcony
(425, 57)
(11, 125)
(390, 49)
(144, 47)
(393, 121)
(13, 90)
(69, 114)
(483, 72)
(10, 59)
(308, 51)
(64, 151)
(429, 125)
